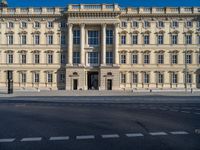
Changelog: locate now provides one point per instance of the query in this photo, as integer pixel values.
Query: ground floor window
(123, 78)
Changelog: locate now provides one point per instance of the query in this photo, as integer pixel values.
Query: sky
(123, 3)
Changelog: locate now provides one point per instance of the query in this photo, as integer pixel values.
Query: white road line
(110, 136)
(84, 137)
(6, 140)
(134, 134)
(179, 132)
(197, 113)
(31, 139)
(158, 133)
(57, 138)
(185, 112)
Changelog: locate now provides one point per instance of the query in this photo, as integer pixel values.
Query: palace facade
(100, 46)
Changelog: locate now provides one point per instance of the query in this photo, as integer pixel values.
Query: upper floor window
(123, 39)
(174, 58)
(76, 57)
(93, 58)
(161, 58)
(36, 39)
(50, 24)
(37, 24)
(198, 39)
(146, 39)
(23, 24)
(147, 58)
(135, 24)
(160, 24)
(50, 39)
(63, 24)
(123, 24)
(198, 23)
(174, 24)
(147, 24)
(10, 39)
(109, 57)
(188, 58)
(189, 24)
(109, 37)
(134, 58)
(160, 39)
(174, 39)
(23, 58)
(123, 58)
(63, 39)
(93, 38)
(62, 58)
(10, 58)
(23, 39)
(76, 37)
(188, 39)
(10, 25)
(50, 58)
(134, 39)
(36, 58)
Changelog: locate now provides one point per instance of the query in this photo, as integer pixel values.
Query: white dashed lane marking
(84, 137)
(57, 138)
(6, 140)
(134, 134)
(157, 133)
(179, 132)
(31, 139)
(110, 136)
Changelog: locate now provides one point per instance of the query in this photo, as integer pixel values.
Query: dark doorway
(93, 82)
(75, 84)
(109, 84)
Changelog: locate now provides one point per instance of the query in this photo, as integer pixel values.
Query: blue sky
(63, 3)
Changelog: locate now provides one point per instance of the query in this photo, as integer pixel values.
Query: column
(103, 44)
(116, 54)
(82, 44)
(70, 45)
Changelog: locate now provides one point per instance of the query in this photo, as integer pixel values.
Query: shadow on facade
(198, 78)
(61, 72)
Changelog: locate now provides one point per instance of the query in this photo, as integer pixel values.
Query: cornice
(30, 15)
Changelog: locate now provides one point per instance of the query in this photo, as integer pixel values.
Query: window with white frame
(10, 25)
(50, 58)
(9, 58)
(36, 39)
(135, 24)
(147, 24)
(134, 39)
(123, 78)
(109, 57)
(36, 58)
(23, 58)
(93, 38)
(188, 39)
(189, 24)
(146, 58)
(76, 37)
(188, 77)
(76, 57)
(50, 39)
(174, 77)
(146, 39)
(174, 39)
(49, 77)
(174, 24)
(189, 58)
(134, 58)
(93, 58)
(123, 24)
(123, 39)
(160, 58)
(146, 77)
(36, 24)
(50, 24)
(36, 77)
(134, 77)
(160, 24)
(10, 39)
(23, 40)
(23, 77)
(123, 58)
(23, 24)
(160, 78)
(174, 58)
(109, 37)
(160, 39)
(62, 77)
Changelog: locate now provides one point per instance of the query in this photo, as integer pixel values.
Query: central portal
(93, 80)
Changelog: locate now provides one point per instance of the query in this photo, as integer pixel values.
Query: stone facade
(100, 46)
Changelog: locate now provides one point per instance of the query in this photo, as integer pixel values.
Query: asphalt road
(99, 126)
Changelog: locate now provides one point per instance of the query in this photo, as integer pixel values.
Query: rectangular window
(10, 40)
(174, 78)
(134, 59)
(123, 39)
(160, 59)
(146, 58)
(109, 37)
(23, 58)
(23, 77)
(109, 57)
(175, 24)
(188, 78)
(123, 58)
(76, 57)
(189, 24)
(62, 77)
(160, 39)
(36, 58)
(62, 58)
(63, 39)
(135, 24)
(123, 78)
(93, 58)
(174, 39)
(10, 58)
(135, 78)
(146, 24)
(160, 78)
(188, 39)
(49, 24)
(76, 37)
(146, 39)
(36, 39)
(174, 58)
(36, 78)
(123, 24)
(199, 58)
(50, 39)
(161, 24)
(23, 39)
(49, 77)
(93, 38)
(50, 58)
(134, 39)
(146, 77)
(188, 58)
(198, 39)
